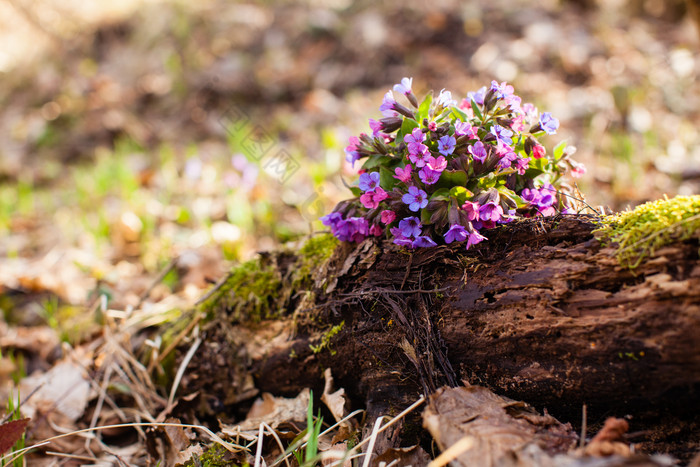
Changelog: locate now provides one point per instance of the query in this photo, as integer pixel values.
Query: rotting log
(541, 312)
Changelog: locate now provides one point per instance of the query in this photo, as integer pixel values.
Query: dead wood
(541, 312)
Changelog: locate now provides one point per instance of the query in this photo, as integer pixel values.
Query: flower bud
(391, 124)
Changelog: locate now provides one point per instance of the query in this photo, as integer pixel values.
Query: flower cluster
(439, 171)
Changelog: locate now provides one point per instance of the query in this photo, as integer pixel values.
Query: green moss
(312, 255)
(640, 232)
(215, 456)
(264, 287)
(326, 339)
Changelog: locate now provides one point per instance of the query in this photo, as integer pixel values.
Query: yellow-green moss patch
(264, 287)
(640, 232)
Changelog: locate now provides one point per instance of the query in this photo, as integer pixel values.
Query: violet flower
(415, 198)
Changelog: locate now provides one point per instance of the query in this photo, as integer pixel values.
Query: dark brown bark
(541, 312)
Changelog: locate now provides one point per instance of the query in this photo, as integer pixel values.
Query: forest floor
(140, 149)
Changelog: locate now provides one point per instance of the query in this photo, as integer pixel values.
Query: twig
(171, 265)
(213, 290)
(179, 337)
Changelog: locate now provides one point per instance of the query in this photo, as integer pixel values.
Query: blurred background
(135, 132)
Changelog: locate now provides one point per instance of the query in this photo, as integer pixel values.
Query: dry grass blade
(372, 440)
(277, 438)
(214, 437)
(453, 452)
(182, 368)
(391, 422)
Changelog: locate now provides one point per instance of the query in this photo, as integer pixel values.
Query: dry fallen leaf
(498, 427)
(274, 411)
(11, 432)
(64, 388)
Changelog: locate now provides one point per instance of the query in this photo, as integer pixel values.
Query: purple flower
(507, 159)
(548, 123)
(416, 137)
(415, 198)
(513, 102)
(423, 242)
(405, 86)
(429, 176)
(399, 239)
(474, 238)
(376, 126)
(490, 212)
(369, 181)
(388, 105)
(478, 96)
(522, 164)
(331, 219)
(457, 233)
(418, 153)
(532, 196)
(502, 134)
(546, 197)
(410, 227)
(502, 90)
(464, 129)
(354, 229)
(446, 145)
(478, 151)
(404, 174)
(437, 164)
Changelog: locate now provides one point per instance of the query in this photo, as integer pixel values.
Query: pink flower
(522, 164)
(416, 136)
(474, 238)
(418, 154)
(376, 230)
(438, 164)
(518, 123)
(472, 210)
(371, 199)
(404, 174)
(428, 176)
(538, 151)
(388, 216)
(577, 170)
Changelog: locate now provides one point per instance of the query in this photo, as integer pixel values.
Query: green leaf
(450, 178)
(386, 178)
(460, 114)
(356, 190)
(559, 150)
(375, 160)
(460, 193)
(407, 126)
(539, 164)
(477, 112)
(425, 216)
(441, 194)
(424, 107)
